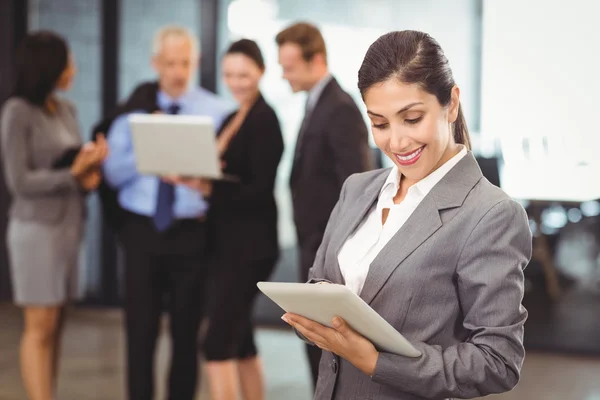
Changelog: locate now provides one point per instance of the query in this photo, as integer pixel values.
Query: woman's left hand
(341, 340)
(204, 186)
(91, 180)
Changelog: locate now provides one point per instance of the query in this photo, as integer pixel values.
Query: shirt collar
(425, 185)
(317, 90)
(165, 101)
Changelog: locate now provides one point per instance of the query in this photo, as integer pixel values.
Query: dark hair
(305, 35)
(41, 59)
(250, 49)
(413, 57)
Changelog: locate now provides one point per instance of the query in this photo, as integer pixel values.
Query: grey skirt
(43, 261)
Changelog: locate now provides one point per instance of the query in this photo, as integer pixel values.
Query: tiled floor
(92, 366)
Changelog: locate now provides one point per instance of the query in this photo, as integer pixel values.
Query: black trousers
(308, 247)
(162, 270)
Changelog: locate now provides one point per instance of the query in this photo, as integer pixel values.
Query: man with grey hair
(161, 226)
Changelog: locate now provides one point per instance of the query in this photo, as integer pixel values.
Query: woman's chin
(241, 98)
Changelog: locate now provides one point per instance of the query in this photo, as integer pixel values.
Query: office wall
(539, 92)
(542, 80)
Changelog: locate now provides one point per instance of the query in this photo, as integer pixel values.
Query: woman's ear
(454, 104)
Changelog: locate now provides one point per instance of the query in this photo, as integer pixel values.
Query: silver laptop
(183, 145)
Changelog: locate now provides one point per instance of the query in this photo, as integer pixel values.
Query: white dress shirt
(371, 236)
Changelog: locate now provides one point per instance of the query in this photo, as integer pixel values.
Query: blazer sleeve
(490, 285)
(21, 178)
(316, 274)
(347, 136)
(266, 149)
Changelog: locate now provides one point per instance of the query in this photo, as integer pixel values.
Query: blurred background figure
(163, 229)
(332, 143)
(48, 174)
(242, 231)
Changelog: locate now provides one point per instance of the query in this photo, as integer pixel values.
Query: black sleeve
(67, 158)
(348, 139)
(265, 153)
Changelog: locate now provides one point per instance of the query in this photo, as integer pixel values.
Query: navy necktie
(163, 218)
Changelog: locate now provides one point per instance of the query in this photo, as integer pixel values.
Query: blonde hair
(176, 31)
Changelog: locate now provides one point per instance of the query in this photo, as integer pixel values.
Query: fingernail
(285, 319)
(337, 322)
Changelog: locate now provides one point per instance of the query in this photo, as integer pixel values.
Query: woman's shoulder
(67, 105)
(16, 105)
(362, 182)
(21, 106)
(264, 119)
(487, 197)
(263, 110)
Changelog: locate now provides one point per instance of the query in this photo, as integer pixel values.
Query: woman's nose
(398, 141)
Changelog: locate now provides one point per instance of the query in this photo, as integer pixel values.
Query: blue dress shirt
(138, 193)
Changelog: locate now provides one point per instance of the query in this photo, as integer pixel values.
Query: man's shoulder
(122, 121)
(339, 100)
(146, 87)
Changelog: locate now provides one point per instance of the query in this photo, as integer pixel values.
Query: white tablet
(321, 303)
(183, 145)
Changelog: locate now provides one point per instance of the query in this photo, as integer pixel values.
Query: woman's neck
(50, 104)
(404, 184)
(247, 105)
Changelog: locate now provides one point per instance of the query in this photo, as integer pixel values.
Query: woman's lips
(409, 158)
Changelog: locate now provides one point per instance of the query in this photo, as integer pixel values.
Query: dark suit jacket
(335, 145)
(242, 218)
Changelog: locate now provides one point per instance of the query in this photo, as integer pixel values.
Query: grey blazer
(31, 142)
(450, 280)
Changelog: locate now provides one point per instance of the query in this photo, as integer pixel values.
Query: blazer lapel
(450, 192)
(315, 118)
(355, 215)
(70, 123)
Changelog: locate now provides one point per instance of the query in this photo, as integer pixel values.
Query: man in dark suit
(332, 143)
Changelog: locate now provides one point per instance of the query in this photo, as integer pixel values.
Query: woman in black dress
(242, 223)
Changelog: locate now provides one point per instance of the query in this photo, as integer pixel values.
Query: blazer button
(334, 366)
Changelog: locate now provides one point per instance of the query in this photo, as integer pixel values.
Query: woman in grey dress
(48, 173)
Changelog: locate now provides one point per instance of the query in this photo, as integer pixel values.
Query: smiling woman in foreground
(429, 244)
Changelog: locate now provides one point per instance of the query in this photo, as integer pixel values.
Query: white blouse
(361, 248)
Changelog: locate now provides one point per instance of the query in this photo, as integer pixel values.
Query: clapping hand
(91, 180)
(91, 155)
(86, 167)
